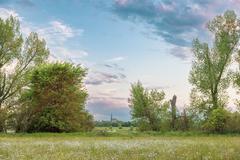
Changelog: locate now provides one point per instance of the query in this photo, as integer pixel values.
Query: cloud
(159, 87)
(169, 19)
(67, 31)
(102, 111)
(63, 53)
(177, 22)
(55, 33)
(109, 99)
(6, 13)
(102, 107)
(114, 66)
(106, 99)
(183, 53)
(26, 3)
(115, 59)
(99, 78)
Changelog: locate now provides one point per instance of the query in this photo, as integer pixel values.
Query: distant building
(113, 120)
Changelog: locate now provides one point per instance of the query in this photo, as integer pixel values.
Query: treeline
(36, 95)
(116, 123)
(211, 75)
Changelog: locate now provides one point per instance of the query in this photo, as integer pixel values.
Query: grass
(119, 145)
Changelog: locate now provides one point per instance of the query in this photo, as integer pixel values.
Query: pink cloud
(122, 2)
(110, 101)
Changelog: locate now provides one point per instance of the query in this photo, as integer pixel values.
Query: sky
(121, 42)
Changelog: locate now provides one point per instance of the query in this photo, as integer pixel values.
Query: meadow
(118, 145)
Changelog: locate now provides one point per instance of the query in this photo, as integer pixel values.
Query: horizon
(121, 42)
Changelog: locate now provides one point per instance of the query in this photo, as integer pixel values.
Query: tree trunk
(173, 109)
(215, 101)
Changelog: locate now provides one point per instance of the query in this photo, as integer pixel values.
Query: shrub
(217, 120)
(233, 123)
(143, 125)
(119, 126)
(55, 100)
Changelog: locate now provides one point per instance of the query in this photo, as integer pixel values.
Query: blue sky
(121, 42)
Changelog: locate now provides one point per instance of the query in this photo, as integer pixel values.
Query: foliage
(232, 123)
(148, 108)
(119, 126)
(182, 121)
(55, 100)
(217, 120)
(209, 74)
(18, 56)
(194, 119)
(3, 117)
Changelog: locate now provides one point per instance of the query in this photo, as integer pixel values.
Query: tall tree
(17, 57)
(148, 108)
(210, 75)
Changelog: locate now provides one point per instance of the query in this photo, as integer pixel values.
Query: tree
(173, 110)
(210, 75)
(148, 108)
(55, 100)
(18, 56)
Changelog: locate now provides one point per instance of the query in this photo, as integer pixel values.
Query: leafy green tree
(210, 75)
(217, 120)
(148, 108)
(18, 56)
(55, 100)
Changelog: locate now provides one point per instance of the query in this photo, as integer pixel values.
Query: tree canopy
(18, 56)
(148, 108)
(210, 75)
(55, 100)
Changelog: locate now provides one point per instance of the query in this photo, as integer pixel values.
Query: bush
(143, 125)
(217, 120)
(233, 123)
(119, 126)
(55, 100)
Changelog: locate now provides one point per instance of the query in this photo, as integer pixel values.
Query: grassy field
(114, 146)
